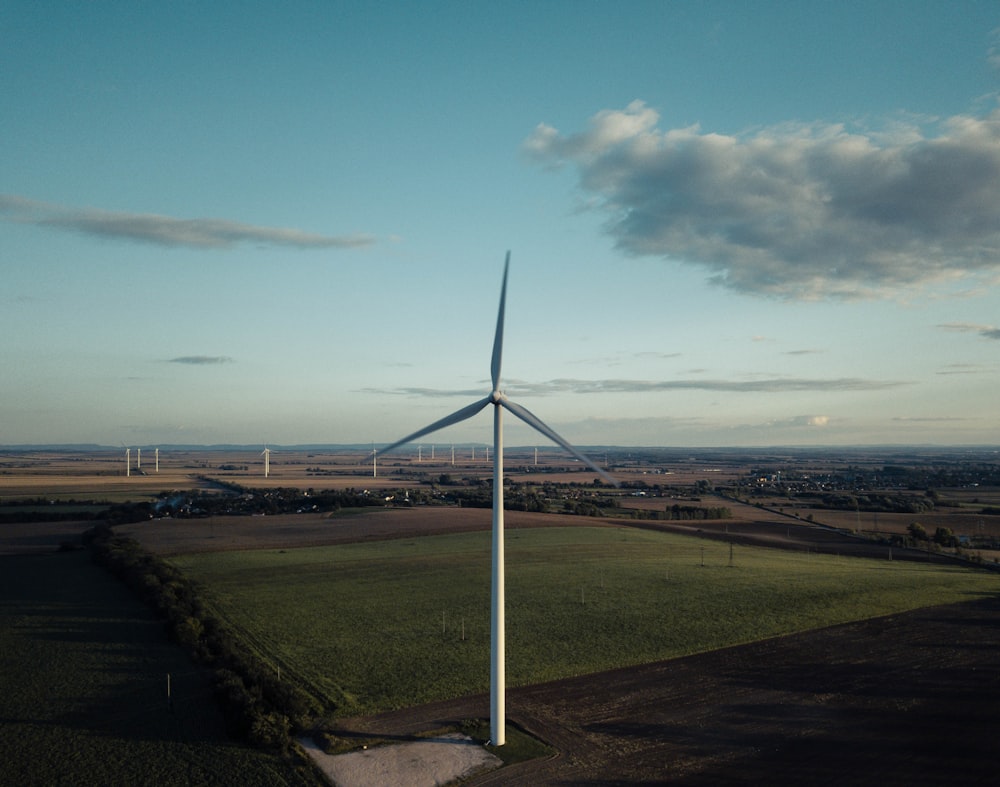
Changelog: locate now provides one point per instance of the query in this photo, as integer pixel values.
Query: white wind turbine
(266, 453)
(500, 402)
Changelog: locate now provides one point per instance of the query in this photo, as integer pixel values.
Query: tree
(945, 537)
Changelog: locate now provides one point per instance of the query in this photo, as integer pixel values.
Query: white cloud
(202, 233)
(804, 420)
(993, 53)
(202, 360)
(799, 212)
(986, 331)
(566, 385)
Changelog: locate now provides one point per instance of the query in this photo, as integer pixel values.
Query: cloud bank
(166, 230)
(202, 360)
(796, 212)
(986, 331)
(566, 385)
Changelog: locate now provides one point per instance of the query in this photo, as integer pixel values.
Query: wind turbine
(500, 403)
(128, 462)
(266, 453)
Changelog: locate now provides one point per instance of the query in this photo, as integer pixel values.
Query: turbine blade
(448, 420)
(498, 336)
(534, 421)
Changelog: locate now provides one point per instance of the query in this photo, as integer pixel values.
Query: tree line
(258, 706)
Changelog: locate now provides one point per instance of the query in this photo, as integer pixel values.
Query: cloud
(202, 360)
(166, 230)
(568, 385)
(803, 420)
(966, 368)
(986, 331)
(796, 212)
(932, 420)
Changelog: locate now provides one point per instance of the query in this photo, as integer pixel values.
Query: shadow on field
(83, 655)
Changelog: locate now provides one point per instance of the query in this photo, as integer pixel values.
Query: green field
(375, 626)
(83, 689)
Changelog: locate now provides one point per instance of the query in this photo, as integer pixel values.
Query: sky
(730, 224)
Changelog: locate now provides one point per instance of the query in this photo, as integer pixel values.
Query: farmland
(640, 647)
(372, 627)
(84, 689)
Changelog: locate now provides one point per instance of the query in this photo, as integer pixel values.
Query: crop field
(83, 689)
(375, 626)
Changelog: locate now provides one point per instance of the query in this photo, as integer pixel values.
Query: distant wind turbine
(128, 462)
(266, 453)
(500, 402)
(157, 457)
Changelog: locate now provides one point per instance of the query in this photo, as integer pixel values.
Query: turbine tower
(500, 403)
(157, 457)
(266, 453)
(138, 459)
(128, 462)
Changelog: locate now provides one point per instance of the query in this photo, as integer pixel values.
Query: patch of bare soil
(423, 763)
(22, 538)
(216, 534)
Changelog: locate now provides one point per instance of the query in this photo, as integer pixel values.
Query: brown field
(287, 531)
(907, 699)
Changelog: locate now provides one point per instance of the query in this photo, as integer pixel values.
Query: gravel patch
(430, 762)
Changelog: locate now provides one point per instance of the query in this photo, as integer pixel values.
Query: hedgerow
(257, 705)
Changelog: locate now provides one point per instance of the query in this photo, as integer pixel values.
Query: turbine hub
(496, 397)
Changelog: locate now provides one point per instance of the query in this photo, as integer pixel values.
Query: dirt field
(216, 534)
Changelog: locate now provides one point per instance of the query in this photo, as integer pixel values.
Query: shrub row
(258, 706)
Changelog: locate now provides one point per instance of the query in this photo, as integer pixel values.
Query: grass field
(368, 627)
(83, 689)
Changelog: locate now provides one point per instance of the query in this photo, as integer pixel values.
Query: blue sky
(730, 223)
